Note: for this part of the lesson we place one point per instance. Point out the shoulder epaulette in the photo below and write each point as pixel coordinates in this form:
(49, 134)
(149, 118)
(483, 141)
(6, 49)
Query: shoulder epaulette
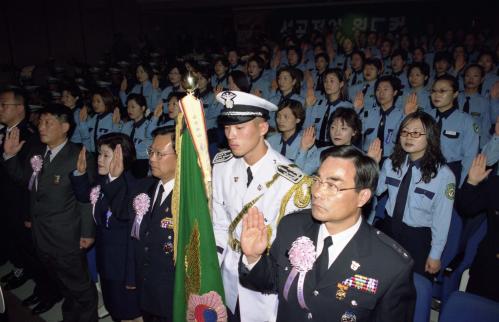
(394, 245)
(223, 156)
(290, 172)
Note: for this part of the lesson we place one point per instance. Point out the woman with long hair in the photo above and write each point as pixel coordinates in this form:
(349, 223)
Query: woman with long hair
(421, 190)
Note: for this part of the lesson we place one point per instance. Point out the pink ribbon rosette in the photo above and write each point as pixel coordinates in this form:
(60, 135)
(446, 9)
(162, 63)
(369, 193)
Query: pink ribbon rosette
(141, 206)
(36, 164)
(94, 197)
(302, 258)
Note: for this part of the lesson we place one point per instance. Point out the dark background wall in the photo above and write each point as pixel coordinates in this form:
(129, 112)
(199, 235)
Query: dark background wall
(81, 30)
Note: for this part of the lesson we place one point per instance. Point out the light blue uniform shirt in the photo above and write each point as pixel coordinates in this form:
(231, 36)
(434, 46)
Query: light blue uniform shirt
(151, 94)
(491, 150)
(88, 128)
(494, 110)
(310, 160)
(261, 83)
(371, 118)
(211, 109)
(459, 139)
(315, 114)
(480, 111)
(428, 204)
(489, 80)
(76, 137)
(423, 98)
(292, 149)
(369, 96)
(215, 81)
(142, 136)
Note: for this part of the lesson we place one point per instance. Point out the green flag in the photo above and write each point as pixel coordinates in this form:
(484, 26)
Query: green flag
(198, 291)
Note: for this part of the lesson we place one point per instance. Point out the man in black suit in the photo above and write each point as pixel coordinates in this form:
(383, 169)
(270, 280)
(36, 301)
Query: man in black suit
(62, 227)
(360, 274)
(153, 231)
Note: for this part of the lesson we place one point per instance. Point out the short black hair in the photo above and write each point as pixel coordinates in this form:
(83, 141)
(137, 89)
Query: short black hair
(166, 130)
(62, 113)
(241, 80)
(376, 62)
(366, 169)
(20, 96)
(127, 146)
(400, 52)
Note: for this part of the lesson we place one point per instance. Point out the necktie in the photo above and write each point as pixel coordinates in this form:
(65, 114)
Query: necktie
(439, 120)
(250, 176)
(320, 83)
(132, 134)
(323, 259)
(142, 90)
(364, 90)
(354, 78)
(381, 129)
(159, 197)
(398, 210)
(96, 130)
(466, 107)
(324, 126)
(46, 158)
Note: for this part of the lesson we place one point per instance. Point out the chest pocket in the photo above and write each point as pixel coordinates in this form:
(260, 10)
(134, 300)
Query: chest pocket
(392, 181)
(423, 199)
(451, 134)
(368, 131)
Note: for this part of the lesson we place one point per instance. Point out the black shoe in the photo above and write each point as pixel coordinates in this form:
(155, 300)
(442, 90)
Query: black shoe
(31, 300)
(7, 277)
(15, 282)
(43, 307)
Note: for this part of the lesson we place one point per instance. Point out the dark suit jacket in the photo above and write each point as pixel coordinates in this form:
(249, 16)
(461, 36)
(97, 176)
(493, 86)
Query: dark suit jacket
(378, 257)
(154, 267)
(113, 243)
(14, 196)
(58, 219)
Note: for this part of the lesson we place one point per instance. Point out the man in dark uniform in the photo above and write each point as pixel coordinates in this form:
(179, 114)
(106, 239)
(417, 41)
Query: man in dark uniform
(479, 194)
(153, 229)
(62, 227)
(14, 199)
(360, 274)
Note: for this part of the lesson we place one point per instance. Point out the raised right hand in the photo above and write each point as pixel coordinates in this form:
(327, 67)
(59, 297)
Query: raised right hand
(308, 139)
(478, 171)
(83, 113)
(358, 102)
(81, 164)
(116, 167)
(12, 145)
(254, 235)
(374, 151)
(116, 115)
(124, 84)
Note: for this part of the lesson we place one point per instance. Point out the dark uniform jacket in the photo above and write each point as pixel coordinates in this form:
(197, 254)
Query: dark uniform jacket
(369, 255)
(472, 201)
(154, 253)
(58, 219)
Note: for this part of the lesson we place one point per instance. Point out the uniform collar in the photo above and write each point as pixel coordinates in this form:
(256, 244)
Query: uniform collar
(447, 113)
(387, 112)
(139, 123)
(291, 139)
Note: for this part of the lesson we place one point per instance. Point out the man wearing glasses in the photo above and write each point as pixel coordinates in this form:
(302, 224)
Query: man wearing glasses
(149, 206)
(326, 263)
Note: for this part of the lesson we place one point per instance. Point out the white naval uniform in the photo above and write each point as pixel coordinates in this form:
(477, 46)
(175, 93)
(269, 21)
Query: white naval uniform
(230, 195)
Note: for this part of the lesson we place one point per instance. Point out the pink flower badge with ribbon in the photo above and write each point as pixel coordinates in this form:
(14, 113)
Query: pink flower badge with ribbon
(94, 197)
(141, 205)
(302, 257)
(36, 164)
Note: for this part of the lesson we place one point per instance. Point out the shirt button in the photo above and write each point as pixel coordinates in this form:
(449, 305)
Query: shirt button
(309, 316)
(147, 233)
(316, 293)
(146, 249)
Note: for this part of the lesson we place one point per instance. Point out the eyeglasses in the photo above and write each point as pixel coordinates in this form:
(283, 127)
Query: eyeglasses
(158, 154)
(441, 91)
(413, 135)
(331, 188)
(2, 104)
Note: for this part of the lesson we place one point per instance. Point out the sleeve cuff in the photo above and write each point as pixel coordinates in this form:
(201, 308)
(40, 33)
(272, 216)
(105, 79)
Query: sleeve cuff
(249, 266)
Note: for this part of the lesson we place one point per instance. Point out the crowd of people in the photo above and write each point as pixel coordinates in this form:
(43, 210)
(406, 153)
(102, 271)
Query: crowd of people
(325, 122)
